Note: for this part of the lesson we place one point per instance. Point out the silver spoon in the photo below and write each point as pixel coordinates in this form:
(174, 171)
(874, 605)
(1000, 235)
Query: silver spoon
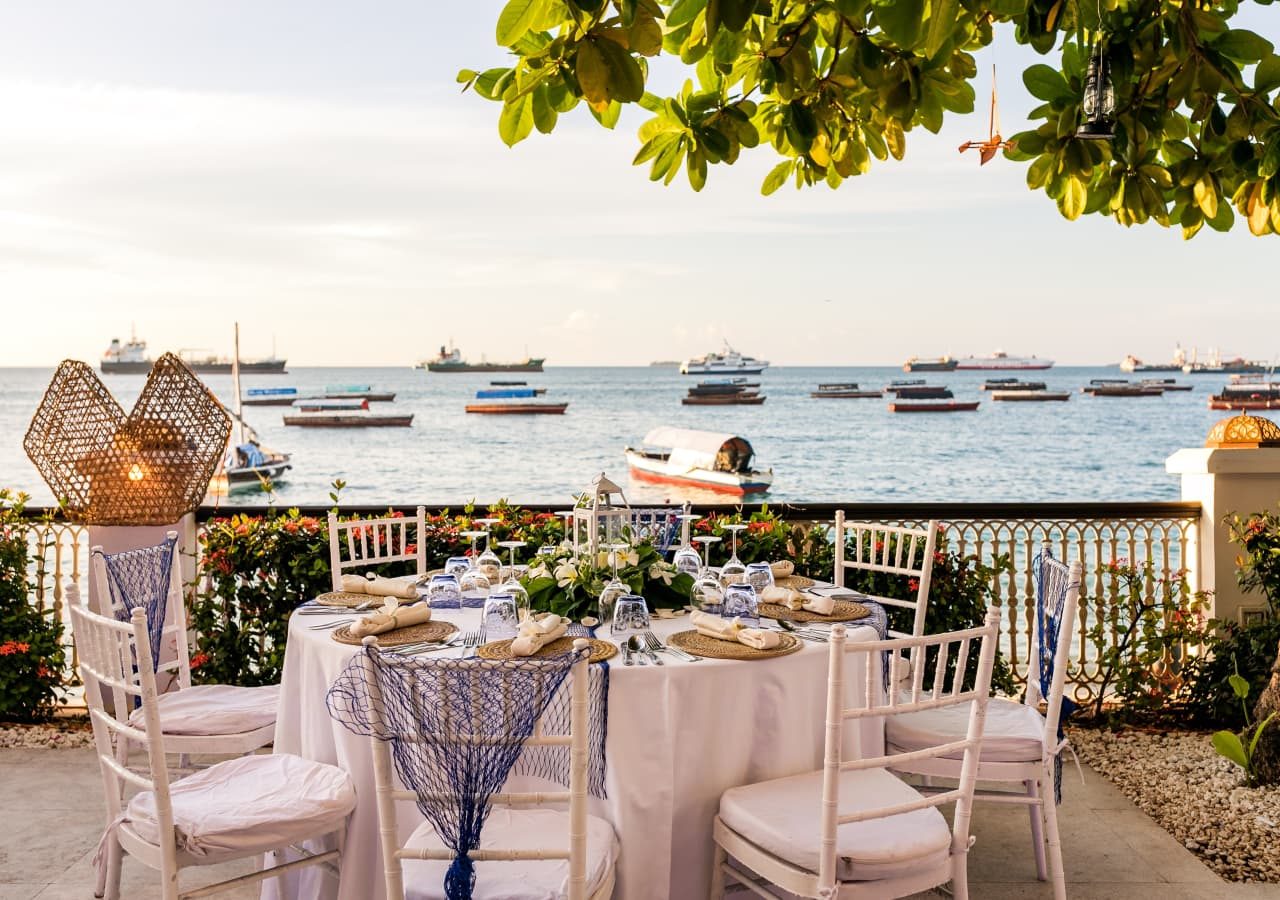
(633, 648)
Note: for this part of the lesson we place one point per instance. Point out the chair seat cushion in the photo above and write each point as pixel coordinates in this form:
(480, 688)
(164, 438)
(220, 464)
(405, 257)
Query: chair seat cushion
(249, 805)
(784, 818)
(213, 709)
(516, 829)
(1014, 732)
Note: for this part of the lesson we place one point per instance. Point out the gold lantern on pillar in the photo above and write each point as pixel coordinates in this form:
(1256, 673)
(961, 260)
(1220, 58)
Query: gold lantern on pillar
(600, 517)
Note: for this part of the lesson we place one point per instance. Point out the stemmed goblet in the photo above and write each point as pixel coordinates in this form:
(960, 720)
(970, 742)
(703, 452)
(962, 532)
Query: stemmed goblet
(512, 585)
(707, 594)
(733, 571)
(614, 589)
(686, 557)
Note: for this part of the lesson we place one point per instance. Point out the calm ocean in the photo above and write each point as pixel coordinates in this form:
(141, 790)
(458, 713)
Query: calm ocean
(1086, 449)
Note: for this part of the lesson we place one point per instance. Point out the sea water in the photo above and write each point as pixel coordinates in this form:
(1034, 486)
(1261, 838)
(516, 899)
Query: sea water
(1085, 449)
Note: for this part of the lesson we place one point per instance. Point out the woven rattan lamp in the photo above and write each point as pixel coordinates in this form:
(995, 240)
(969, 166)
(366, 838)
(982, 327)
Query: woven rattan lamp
(149, 467)
(1243, 432)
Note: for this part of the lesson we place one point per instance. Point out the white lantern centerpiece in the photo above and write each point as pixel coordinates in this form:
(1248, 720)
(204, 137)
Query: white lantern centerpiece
(600, 517)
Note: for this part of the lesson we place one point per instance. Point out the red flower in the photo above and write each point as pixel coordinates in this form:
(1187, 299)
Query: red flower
(913, 584)
(879, 546)
(9, 648)
(410, 548)
(199, 660)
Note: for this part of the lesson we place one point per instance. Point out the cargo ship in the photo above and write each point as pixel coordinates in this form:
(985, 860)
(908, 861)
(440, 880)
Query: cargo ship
(130, 358)
(937, 364)
(1216, 365)
(450, 360)
(1132, 363)
(1004, 362)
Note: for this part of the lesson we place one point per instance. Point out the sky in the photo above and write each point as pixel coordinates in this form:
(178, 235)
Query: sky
(311, 171)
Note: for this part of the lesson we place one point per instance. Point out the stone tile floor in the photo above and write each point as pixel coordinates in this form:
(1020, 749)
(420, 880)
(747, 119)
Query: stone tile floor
(53, 818)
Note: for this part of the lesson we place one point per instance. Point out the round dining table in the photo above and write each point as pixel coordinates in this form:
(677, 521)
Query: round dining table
(678, 736)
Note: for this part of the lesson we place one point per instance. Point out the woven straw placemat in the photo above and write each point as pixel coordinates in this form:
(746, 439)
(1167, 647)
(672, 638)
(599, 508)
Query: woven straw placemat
(795, 582)
(347, 599)
(600, 650)
(843, 611)
(714, 648)
(411, 634)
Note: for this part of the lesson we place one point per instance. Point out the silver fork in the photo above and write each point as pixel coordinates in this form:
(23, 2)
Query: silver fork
(654, 644)
(325, 626)
(468, 641)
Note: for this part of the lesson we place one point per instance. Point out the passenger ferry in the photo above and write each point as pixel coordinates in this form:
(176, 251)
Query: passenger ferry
(1004, 362)
(729, 362)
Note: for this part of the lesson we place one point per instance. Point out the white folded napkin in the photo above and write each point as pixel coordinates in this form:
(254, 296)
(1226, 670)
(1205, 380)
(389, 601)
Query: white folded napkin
(538, 631)
(783, 569)
(405, 587)
(390, 617)
(716, 627)
(795, 600)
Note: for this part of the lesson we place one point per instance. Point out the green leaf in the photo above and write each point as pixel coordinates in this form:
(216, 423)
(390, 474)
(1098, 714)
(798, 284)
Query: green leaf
(608, 117)
(1228, 746)
(592, 71)
(625, 78)
(1046, 83)
(942, 22)
(516, 120)
(1257, 733)
(733, 15)
(776, 178)
(683, 12)
(466, 76)
(515, 19)
(901, 21)
(1270, 163)
(1267, 76)
(544, 115)
(1239, 685)
(1243, 46)
(1075, 194)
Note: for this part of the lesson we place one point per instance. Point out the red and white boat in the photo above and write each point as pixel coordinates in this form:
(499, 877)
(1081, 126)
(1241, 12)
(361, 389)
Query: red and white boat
(1003, 362)
(704, 459)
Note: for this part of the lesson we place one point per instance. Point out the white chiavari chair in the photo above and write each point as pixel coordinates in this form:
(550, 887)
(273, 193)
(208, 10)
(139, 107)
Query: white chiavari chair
(854, 829)
(361, 543)
(218, 719)
(518, 856)
(1022, 746)
(246, 807)
(891, 550)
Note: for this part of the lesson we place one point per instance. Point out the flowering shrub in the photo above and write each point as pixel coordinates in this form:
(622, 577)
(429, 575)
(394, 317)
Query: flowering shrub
(767, 538)
(1142, 642)
(571, 587)
(1258, 566)
(31, 653)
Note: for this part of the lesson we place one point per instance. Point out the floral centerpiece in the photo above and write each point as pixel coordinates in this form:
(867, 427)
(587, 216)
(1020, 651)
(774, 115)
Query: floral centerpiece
(570, 585)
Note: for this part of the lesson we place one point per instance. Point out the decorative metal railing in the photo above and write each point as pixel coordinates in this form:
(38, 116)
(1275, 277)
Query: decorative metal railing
(1166, 534)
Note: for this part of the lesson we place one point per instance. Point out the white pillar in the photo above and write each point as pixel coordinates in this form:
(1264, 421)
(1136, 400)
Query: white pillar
(1225, 481)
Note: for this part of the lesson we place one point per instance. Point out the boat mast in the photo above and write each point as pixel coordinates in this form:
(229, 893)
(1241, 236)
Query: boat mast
(235, 381)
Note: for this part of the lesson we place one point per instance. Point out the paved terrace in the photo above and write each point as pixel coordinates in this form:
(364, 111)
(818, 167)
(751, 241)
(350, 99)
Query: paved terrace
(53, 806)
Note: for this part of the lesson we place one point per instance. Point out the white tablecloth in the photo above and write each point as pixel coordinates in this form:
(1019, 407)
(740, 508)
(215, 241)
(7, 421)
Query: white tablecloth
(679, 735)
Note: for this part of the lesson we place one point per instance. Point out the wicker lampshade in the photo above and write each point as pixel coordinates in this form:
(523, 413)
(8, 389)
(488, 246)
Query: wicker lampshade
(1244, 432)
(149, 467)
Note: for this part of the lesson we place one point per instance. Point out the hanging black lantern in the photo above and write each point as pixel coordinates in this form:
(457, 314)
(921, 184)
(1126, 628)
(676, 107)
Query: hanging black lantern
(1098, 106)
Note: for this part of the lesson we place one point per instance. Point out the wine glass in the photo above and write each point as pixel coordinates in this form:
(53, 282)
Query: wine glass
(631, 617)
(686, 557)
(708, 594)
(760, 576)
(512, 585)
(489, 562)
(615, 589)
(567, 515)
(444, 592)
(733, 571)
(741, 602)
(501, 617)
(474, 583)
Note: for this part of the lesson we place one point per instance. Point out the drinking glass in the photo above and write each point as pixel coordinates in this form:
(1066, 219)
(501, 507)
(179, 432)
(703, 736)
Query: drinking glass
(741, 602)
(488, 561)
(686, 557)
(760, 576)
(733, 571)
(631, 616)
(457, 565)
(444, 592)
(501, 617)
(512, 585)
(615, 589)
(708, 594)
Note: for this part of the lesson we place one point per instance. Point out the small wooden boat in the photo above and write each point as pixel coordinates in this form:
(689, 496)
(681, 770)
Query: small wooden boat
(922, 392)
(716, 462)
(1247, 393)
(352, 413)
(356, 391)
(842, 391)
(517, 409)
(905, 382)
(1167, 384)
(1011, 384)
(283, 396)
(1123, 390)
(933, 406)
(508, 383)
(1030, 396)
(247, 462)
(741, 399)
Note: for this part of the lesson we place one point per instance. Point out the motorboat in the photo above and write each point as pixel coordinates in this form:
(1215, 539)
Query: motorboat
(1035, 396)
(1012, 384)
(929, 406)
(727, 362)
(1168, 384)
(517, 401)
(1247, 392)
(848, 390)
(1003, 361)
(362, 391)
(920, 391)
(705, 459)
(247, 461)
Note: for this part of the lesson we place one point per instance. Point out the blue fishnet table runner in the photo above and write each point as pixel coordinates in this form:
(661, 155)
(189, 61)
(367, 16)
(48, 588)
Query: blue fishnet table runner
(1052, 577)
(140, 578)
(421, 703)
